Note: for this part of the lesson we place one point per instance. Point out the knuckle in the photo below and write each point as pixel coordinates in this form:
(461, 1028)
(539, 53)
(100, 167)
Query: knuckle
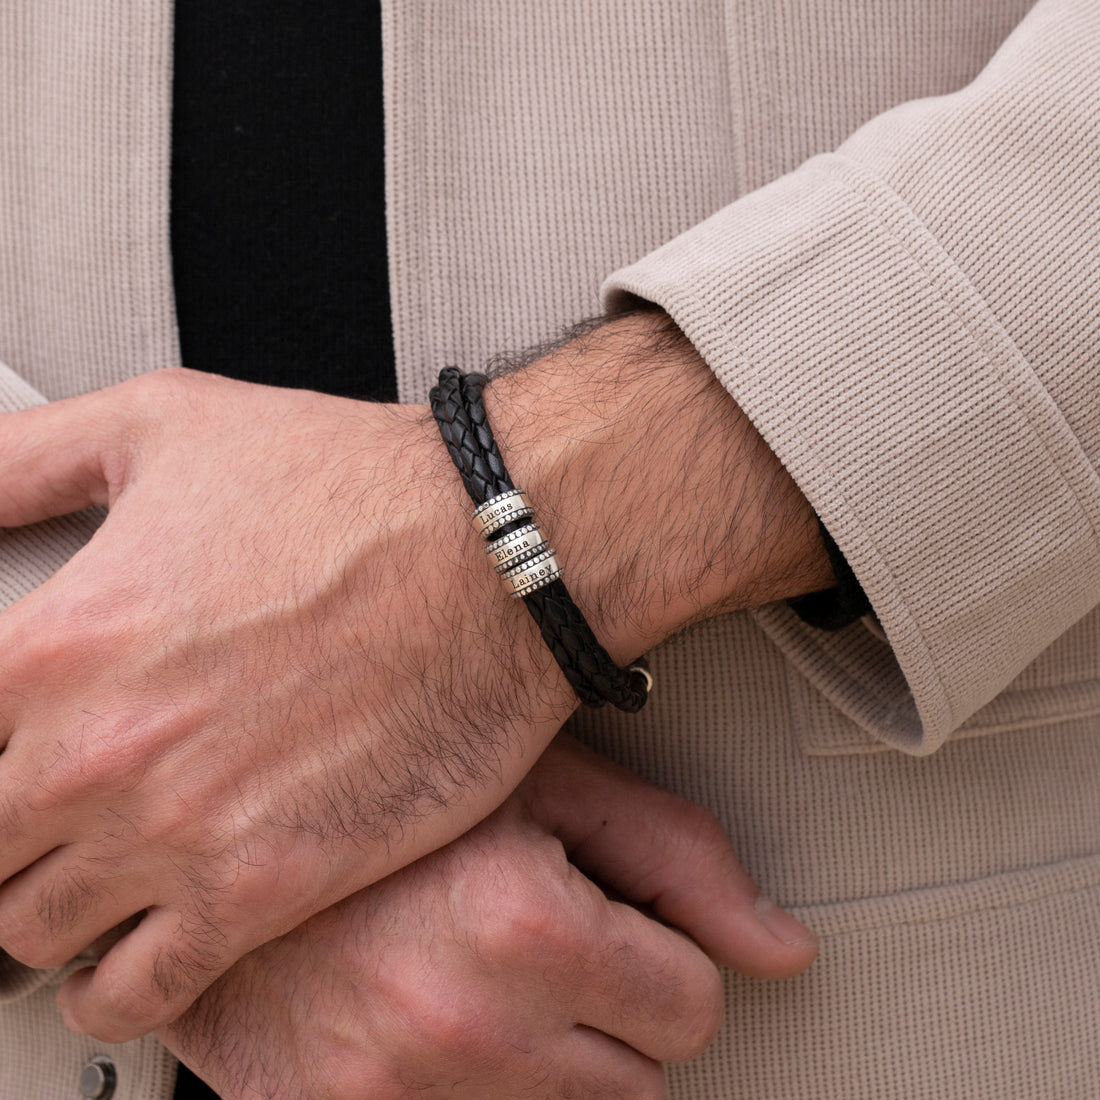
(12, 814)
(158, 396)
(531, 922)
(49, 786)
(691, 842)
(439, 1029)
(52, 956)
(243, 876)
(52, 639)
(26, 941)
(702, 831)
(161, 385)
(342, 1059)
(182, 972)
(127, 1007)
(114, 756)
(222, 909)
(452, 1031)
(64, 903)
(95, 769)
(49, 792)
(124, 1009)
(699, 1016)
(517, 921)
(96, 762)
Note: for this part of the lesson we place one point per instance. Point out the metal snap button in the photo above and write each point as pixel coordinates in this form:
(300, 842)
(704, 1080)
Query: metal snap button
(98, 1078)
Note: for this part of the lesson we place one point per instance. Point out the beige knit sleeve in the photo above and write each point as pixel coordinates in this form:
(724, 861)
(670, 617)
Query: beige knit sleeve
(913, 323)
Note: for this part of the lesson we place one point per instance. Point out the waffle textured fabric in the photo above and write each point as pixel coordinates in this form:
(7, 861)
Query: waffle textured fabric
(876, 221)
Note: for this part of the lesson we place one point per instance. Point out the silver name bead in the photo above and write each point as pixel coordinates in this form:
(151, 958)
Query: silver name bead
(499, 511)
(516, 547)
(529, 576)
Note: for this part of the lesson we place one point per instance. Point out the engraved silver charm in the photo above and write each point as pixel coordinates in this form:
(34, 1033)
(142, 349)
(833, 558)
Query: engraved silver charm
(499, 511)
(530, 576)
(518, 546)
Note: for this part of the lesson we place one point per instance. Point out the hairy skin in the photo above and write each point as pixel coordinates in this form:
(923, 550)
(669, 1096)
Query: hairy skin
(494, 968)
(281, 669)
(663, 501)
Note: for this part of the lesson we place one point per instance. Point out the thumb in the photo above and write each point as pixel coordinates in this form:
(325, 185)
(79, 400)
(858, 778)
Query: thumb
(659, 850)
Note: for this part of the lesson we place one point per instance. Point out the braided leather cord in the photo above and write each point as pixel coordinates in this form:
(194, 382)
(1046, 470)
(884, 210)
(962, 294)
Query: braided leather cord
(469, 441)
(460, 413)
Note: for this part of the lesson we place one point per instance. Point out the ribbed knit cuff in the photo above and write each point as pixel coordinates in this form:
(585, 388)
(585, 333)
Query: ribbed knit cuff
(921, 437)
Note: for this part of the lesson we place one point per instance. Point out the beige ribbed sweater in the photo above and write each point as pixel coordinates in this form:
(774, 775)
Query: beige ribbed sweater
(912, 319)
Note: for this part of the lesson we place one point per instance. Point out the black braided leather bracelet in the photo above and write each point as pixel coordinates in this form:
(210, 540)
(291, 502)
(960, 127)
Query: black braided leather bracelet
(516, 547)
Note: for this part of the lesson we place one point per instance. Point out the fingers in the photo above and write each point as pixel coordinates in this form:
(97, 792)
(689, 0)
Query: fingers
(51, 777)
(142, 984)
(33, 820)
(53, 910)
(659, 850)
(649, 986)
(542, 927)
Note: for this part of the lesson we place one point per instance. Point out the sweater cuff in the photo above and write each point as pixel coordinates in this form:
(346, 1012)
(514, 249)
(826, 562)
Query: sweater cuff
(917, 431)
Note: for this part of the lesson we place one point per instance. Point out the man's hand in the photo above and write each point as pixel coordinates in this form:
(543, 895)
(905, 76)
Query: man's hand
(282, 668)
(495, 969)
(256, 690)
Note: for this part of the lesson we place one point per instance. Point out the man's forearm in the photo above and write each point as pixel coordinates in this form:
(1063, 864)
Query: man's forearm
(661, 498)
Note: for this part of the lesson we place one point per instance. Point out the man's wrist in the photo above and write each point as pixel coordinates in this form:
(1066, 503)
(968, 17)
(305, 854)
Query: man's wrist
(662, 500)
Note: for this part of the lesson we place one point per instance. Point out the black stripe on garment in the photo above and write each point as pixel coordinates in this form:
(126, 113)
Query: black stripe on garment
(278, 201)
(189, 1087)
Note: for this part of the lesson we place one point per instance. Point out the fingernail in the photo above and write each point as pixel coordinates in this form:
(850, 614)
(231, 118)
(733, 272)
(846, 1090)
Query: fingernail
(780, 923)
